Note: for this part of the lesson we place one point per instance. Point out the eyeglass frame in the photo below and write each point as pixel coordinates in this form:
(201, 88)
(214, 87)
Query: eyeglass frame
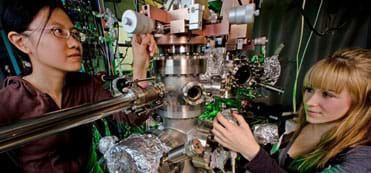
(76, 35)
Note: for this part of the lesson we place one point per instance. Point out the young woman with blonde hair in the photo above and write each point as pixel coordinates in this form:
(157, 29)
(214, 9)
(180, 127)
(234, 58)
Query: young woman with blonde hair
(333, 133)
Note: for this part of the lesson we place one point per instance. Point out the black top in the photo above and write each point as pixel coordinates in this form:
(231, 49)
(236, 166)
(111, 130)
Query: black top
(357, 160)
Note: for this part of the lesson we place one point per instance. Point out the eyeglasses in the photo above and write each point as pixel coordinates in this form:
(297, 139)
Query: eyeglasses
(67, 33)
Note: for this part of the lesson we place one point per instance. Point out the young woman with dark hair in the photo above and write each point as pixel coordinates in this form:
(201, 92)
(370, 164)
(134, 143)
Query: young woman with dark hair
(42, 31)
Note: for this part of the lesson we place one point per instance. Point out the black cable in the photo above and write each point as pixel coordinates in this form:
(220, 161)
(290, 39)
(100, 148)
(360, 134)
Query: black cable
(258, 4)
(124, 56)
(171, 3)
(310, 25)
(118, 30)
(114, 8)
(136, 5)
(239, 2)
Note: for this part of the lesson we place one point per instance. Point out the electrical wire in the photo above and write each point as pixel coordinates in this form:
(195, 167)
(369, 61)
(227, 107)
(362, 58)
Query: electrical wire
(101, 33)
(312, 27)
(239, 2)
(299, 64)
(117, 32)
(297, 59)
(171, 3)
(136, 5)
(124, 56)
(310, 35)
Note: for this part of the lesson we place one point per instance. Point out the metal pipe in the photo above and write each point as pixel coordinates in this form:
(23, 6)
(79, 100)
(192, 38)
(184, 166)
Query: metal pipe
(58, 121)
(272, 88)
(183, 152)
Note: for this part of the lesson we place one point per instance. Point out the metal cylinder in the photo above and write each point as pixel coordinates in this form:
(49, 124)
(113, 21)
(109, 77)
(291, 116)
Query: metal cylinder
(242, 14)
(184, 92)
(54, 122)
(136, 23)
(213, 87)
(177, 154)
(183, 152)
(180, 65)
(178, 105)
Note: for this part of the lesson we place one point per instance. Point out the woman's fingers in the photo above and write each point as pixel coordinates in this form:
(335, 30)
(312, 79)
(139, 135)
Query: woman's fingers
(146, 42)
(152, 45)
(240, 120)
(223, 142)
(136, 40)
(223, 121)
(217, 133)
(219, 129)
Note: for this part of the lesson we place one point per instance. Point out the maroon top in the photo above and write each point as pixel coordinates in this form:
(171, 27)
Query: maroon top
(67, 151)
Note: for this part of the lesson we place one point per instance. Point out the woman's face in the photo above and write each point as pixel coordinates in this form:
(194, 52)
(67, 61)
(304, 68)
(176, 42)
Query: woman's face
(53, 51)
(325, 106)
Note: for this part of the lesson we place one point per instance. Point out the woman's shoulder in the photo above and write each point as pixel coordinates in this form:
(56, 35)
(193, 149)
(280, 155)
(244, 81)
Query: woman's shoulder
(359, 152)
(15, 85)
(16, 96)
(356, 159)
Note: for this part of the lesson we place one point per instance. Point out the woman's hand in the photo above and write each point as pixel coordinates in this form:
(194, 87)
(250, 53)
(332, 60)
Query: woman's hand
(144, 46)
(236, 137)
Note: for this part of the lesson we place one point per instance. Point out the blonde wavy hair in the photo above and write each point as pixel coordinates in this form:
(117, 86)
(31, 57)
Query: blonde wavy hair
(346, 69)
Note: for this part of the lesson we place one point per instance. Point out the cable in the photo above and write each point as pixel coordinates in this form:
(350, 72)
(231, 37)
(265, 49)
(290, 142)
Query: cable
(118, 33)
(239, 2)
(124, 56)
(136, 5)
(302, 57)
(319, 33)
(297, 60)
(310, 35)
(171, 3)
(114, 8)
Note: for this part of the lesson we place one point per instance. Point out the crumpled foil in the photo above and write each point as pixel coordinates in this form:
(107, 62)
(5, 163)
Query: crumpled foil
(218, 158)
(228, 114)
(272, 69)
(106, 143)
(214, 63)
(266, 133)
(135, 154)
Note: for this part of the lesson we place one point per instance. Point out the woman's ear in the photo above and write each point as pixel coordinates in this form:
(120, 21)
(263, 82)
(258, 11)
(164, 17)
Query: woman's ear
(19, 41)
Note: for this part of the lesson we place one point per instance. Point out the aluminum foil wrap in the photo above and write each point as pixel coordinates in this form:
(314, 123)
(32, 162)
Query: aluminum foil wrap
(266, 133)
(272, 69)
(136, 154)
(214, 63)
(106, 143)
(228, 114)
(218, 158)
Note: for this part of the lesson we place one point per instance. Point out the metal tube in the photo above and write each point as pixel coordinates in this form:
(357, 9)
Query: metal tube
(272, 88)
(177, 154)
(183, 152)
(58, 121)
(26, 126)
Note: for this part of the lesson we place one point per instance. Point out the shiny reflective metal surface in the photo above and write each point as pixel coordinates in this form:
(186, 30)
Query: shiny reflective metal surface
(180, 65)
(54, 122)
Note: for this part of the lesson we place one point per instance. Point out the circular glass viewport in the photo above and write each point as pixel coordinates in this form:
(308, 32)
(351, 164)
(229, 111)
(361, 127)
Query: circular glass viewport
(194, 93)
(243, 74)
